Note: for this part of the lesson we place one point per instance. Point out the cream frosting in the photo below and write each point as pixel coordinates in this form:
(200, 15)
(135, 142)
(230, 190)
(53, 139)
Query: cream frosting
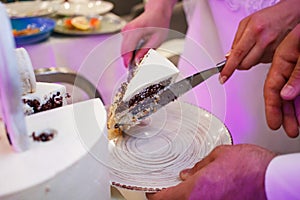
(153, 69)
(70, 166)
(28, 81)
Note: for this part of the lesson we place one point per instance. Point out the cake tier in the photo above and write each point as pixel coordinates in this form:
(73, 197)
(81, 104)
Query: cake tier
(47, 96)
(69, 166)
(25, 69)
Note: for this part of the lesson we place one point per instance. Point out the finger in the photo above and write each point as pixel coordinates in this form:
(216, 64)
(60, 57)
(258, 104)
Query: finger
(290, 123)
(129, 42)
(273, 102)
(127, 58)
(297, 108)
(178, 192)
(276, 79)
(253, 57)
(241, 28)
(140, 54)
(292, 87)
(152, 42)
(186, 173)
(237, 54)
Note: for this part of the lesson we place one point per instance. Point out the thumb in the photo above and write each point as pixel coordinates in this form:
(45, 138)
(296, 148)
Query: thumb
(186, 173)
(292, 88)
(140, 54)
(127, 58)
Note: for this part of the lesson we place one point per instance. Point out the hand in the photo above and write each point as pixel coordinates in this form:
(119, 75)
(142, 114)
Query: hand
(228, 172)
(259, 34)
(151, 27)
(282, 86)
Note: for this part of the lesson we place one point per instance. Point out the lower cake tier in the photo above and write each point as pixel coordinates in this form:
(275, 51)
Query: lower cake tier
(68, 165)
(47, 96)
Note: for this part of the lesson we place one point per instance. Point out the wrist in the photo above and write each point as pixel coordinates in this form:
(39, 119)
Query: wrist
(294, 10)
(161, 7)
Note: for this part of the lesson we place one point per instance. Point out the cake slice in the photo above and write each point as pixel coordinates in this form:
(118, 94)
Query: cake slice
(151, 75)
(37, 96)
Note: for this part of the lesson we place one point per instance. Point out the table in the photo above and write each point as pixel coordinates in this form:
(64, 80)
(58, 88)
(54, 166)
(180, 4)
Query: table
(96, 57)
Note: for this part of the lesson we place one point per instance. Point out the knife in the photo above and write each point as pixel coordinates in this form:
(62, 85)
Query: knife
(170, 93)
(179, 88)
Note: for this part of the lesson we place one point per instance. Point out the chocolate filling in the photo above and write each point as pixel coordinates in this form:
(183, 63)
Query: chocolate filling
(148, 92)
(43, 137)
(54, 102)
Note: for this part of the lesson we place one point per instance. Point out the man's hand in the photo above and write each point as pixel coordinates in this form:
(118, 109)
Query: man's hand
(282, 86)
(228, 172)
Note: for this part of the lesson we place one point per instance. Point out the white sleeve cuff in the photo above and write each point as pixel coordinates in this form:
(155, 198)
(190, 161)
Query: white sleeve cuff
(282, 180)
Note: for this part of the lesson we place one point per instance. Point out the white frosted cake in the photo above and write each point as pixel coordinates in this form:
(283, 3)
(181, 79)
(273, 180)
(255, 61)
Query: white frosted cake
(55, 154)
(152, 74)
(65, 159)
(28, 82)
(47, 96)
(37, 96)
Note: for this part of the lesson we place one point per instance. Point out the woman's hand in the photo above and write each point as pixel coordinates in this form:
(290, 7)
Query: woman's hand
(228, 172)
(282, 86)
(259, 34)
(151, 28)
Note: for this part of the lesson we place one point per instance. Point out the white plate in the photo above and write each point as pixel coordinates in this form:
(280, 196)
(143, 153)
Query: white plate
(110, 23)
(89, 8)
(150, 157)
(30, 8)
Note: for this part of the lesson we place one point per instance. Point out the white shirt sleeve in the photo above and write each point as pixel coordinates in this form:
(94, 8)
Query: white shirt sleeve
(282, 179)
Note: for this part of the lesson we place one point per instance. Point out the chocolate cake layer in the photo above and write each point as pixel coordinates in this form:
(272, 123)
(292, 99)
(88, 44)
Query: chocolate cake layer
(54, 102)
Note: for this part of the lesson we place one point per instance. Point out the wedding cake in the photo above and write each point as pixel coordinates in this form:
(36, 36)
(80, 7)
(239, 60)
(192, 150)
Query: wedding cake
(54, 154)
(65, 159)
(37, 96)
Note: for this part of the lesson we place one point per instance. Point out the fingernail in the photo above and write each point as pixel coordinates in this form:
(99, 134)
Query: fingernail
(287, 91)
(184, 174)
(227, 54)
(222, 79)
(137, 61)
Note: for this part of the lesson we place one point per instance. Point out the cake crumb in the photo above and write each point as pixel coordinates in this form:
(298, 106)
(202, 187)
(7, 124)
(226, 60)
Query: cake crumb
(44, 136)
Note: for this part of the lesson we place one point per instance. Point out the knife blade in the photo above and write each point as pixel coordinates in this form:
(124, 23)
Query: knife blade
(181, 87)
(172, 92)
